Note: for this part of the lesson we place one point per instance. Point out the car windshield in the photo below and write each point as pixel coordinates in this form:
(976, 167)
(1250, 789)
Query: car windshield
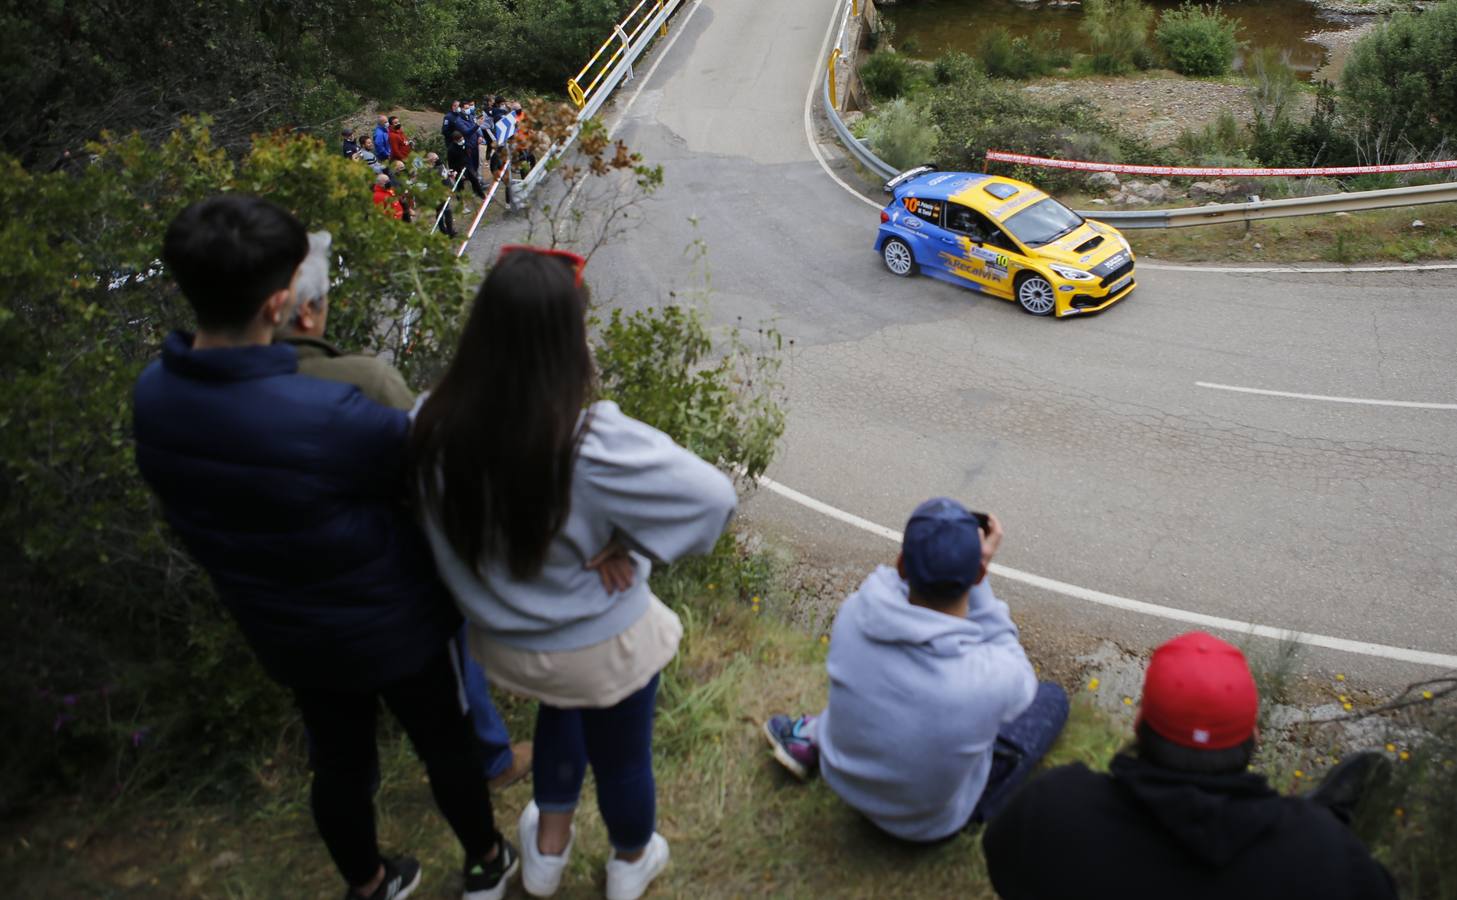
(1043, 222)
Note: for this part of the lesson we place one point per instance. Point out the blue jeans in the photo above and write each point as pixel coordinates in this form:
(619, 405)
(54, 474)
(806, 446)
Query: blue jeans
(618, 742)
(491, 736)
(1021, 744)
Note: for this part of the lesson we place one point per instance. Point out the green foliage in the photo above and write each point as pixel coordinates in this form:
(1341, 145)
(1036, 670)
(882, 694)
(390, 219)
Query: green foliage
(127, 623)
(980, 113)
(661, 366)
(953, 66)
(1117, 31)
(1399, 86)
(1197, 40)
(1005, 56)
(902, 134)
(536, 44)
(1221, 138)
(887, 75)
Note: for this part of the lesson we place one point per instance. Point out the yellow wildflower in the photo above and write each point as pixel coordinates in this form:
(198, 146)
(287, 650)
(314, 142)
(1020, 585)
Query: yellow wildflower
(1390, 748)
(1127, 701)
(1299, 773)
(1426, 695)
(1346, 707)
(1404, 756)
(1340, 677)
(1093, 684)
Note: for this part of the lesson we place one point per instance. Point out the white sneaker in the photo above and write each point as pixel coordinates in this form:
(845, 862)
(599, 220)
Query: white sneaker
(541, 875)
(628, 880)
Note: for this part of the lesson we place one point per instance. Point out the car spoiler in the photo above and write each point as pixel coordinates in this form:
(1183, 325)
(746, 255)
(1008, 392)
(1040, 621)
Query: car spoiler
(907, 175)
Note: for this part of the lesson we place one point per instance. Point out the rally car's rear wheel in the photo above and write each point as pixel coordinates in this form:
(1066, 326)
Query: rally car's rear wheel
(1034, 294)
(898, 258)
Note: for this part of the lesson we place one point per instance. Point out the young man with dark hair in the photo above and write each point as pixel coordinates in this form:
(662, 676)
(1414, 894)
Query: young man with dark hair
(935, 715)
(1181, 815)
(287, 490)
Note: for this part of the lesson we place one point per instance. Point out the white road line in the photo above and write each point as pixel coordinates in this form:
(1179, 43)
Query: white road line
(809, 134)
(1364, 648)
(1297, 270)
(1411, 404)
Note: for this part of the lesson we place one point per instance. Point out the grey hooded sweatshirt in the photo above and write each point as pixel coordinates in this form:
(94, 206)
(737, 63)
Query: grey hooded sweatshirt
(630, 481)
(916, 700)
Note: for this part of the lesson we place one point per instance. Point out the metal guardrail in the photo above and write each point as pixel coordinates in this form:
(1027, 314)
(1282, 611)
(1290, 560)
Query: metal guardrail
(1257, 210)
(632, 36)
(1216, 214)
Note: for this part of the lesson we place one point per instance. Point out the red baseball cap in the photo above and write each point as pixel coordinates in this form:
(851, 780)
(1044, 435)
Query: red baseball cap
(1198, 692)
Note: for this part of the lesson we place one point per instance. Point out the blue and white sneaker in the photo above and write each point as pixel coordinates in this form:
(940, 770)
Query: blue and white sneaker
(794, 748)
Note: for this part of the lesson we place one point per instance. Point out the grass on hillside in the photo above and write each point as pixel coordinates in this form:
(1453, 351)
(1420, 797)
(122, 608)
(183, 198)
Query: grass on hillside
(738, 824)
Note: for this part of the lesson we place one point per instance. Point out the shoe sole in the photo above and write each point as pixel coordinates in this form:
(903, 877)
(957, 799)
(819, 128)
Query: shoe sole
(795, 767)
(409, 889)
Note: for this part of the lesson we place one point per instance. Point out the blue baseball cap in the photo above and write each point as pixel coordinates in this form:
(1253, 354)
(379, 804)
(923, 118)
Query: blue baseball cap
(942, 549)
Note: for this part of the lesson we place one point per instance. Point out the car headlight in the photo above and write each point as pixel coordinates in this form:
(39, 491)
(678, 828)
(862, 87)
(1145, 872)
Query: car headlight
(1124, 241)
(1070, 273)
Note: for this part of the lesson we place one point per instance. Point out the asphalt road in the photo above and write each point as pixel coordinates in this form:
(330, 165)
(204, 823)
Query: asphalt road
(1111, 468)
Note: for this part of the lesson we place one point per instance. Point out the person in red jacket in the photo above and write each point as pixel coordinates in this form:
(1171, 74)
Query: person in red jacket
(400, 146)
(384, 197)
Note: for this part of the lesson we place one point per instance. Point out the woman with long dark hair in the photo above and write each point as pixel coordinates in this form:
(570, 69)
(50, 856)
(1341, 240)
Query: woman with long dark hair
(545, 511)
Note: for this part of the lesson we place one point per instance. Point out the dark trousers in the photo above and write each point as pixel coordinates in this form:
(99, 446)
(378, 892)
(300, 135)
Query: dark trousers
(1021, 744)
(341, 725)
(618, 742)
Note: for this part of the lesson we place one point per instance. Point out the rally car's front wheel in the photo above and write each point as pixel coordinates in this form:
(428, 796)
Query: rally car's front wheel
(1034, 294)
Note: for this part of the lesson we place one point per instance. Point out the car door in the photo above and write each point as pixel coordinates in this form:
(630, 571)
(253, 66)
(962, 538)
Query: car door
(924, 222)
(984, 254)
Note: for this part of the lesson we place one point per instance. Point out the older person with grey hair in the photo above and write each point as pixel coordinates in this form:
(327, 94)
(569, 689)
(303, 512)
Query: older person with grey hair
(382, 383)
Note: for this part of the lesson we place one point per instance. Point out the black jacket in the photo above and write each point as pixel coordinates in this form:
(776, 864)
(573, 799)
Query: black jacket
(289, 491)
(457, 156)
(1143, 831)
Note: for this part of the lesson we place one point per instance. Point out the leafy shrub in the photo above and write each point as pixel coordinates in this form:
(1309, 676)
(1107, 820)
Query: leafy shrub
(1004, 56)
(981, 113)
(1399, 86)
(902, 134)
(887, 75)
(953, 66)
(1197, 40)
(1117, 31)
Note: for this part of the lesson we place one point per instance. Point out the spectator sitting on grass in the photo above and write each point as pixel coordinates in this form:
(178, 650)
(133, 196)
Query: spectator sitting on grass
(935, 715)
(1181, 815)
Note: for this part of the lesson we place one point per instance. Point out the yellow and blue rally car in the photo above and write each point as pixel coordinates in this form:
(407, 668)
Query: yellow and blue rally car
(1005, 238)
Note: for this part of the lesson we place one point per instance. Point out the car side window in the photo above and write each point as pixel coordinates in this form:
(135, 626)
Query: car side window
(929, 210)
(967, 221)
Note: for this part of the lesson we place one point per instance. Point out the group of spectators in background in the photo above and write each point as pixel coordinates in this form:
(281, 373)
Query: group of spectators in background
(491, 131)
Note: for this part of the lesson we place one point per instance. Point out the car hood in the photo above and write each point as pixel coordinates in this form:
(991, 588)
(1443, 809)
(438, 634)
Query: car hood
(1082, 247)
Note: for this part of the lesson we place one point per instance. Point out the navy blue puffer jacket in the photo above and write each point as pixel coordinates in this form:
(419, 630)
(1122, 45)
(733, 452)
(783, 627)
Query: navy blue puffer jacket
(288, 491)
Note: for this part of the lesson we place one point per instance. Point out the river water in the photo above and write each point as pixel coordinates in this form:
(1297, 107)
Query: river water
(936, 26)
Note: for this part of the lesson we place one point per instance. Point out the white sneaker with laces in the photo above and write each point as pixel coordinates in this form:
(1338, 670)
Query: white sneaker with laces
(541, 875)
(628, 880)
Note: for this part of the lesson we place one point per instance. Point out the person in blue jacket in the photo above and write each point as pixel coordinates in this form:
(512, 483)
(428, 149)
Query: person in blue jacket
(288, 491)
(382, 138)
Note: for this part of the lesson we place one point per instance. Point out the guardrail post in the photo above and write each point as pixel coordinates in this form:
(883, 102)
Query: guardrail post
(834, 57)
(854, 7)
(574, 91)
(626, 49)
(663, 30)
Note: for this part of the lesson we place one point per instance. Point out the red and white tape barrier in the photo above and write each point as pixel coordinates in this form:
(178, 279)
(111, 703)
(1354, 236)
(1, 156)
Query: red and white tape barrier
(1208, 171)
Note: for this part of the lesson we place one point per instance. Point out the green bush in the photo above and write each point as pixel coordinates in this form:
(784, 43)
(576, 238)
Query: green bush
(1399, 86)
(1117, 31)
(902, 134)
(953, 66)
(981, 113)
(1197, 40)
(1004, 56)
(887, 75)
(1221, 138)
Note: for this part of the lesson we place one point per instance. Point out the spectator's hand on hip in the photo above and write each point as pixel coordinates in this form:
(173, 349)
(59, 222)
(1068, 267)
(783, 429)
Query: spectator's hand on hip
(614, 566)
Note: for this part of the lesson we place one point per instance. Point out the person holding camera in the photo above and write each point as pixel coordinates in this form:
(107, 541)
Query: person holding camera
(935, 715)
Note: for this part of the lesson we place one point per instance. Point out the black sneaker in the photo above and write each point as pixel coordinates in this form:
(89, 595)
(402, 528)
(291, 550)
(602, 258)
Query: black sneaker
(401, 877)
(488, 880)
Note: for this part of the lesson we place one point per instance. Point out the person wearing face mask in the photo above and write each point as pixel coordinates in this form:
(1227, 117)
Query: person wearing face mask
(457, 157)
